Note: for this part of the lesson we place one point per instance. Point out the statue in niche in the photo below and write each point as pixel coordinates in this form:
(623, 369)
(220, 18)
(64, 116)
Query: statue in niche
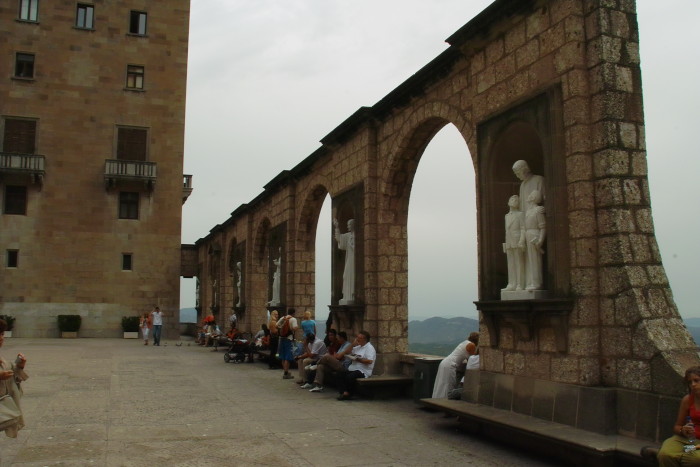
(276, 280)
(530, 183)
(535, 231)
(514, 245)
(346, 242)
(239, 280)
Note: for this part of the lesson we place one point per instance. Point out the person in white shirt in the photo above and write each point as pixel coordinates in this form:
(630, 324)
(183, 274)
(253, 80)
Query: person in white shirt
(363, 357)
(157, 318)
(315, 350)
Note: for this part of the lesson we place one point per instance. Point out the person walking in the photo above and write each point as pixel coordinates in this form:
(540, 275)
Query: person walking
(145, 326)
(11, 375)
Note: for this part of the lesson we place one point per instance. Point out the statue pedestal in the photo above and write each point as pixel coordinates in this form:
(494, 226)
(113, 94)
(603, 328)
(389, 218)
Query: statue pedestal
(348, 318)
(526, 317)
(524, 294)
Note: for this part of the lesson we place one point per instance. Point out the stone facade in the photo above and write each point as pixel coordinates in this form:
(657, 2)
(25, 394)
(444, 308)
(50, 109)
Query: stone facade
(71, 239)
(556, 83)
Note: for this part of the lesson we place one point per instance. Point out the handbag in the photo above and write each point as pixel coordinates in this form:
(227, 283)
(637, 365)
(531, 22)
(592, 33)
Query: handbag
(9, 412)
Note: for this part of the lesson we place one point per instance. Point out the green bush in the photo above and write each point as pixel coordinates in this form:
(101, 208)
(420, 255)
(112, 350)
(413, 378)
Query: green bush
(10, 320)
(130, 323)
(69, 323)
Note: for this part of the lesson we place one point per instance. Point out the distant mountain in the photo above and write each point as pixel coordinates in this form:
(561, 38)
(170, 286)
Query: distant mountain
(188, 315)
(441, 330)
(695, 322)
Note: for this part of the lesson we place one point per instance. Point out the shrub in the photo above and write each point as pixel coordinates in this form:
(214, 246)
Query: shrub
(130, 323)
(69, 323)
(10, 320)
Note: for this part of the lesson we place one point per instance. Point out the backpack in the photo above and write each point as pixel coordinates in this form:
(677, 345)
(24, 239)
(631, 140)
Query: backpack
(285, 328)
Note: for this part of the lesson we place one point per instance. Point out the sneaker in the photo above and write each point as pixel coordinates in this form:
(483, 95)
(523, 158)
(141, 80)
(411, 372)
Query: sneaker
(312, 367)
(299, 382)
(307, 367)
(287, 376)
(307, 386)
(316, 389)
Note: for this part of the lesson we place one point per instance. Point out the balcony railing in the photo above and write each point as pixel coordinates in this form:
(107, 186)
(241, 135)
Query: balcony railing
(29, 164)
(186, 188)
(116, 170)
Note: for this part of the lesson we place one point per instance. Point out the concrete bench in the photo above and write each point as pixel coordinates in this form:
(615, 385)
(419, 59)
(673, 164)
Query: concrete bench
(563, 442)
(385, 386)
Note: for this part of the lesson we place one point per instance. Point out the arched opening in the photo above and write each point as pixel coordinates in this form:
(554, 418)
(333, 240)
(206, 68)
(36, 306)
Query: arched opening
(442, 246)
(322, 258)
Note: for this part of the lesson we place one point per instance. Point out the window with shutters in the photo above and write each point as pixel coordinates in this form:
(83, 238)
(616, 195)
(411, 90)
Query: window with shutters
(85, 16)
(15, 200)
(29, 10)
(19, 136)
(132, 144)
(137, 23)
(24, 65)
(128, 205)
(134, 76)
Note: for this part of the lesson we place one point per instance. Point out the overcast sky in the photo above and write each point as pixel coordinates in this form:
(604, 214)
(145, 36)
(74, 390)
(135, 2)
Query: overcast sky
(269, 78)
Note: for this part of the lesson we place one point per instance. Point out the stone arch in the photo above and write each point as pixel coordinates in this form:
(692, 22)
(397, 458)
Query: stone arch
(308, 217)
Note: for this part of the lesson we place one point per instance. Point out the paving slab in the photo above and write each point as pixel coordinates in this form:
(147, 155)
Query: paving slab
(116, 402)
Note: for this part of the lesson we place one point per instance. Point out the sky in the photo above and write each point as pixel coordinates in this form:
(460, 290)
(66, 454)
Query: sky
(268, 79)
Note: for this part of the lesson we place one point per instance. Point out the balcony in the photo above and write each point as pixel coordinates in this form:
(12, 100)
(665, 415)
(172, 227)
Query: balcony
(117, 171)
(186, 188)
(31, 165)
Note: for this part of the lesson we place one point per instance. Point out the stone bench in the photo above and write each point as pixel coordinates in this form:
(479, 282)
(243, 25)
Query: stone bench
(385, 386)
(555, 440)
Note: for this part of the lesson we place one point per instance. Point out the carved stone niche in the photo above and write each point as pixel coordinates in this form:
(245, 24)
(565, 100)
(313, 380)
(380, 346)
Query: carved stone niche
(526, 317)
(348, 318)
(240, 314)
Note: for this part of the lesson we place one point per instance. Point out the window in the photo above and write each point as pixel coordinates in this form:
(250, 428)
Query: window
(15, 200)
(127, 263)
(134, 77)
(85, 17)
(132, 144)
(29, 10)
(24, 65)
(128, 205)
(137, 23)
(19, 136)
(12, 258)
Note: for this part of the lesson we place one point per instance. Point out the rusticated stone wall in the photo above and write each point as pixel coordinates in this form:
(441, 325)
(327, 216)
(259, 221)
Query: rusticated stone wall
(554, 82)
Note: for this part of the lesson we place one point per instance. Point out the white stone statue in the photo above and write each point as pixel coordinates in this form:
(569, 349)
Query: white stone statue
(514, 245)
(530, 182)
(535, 231)
(239, 280)
(346, 242)
(276, 280)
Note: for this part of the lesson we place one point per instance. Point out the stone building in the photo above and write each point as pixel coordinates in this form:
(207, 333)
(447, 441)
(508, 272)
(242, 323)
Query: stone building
(556, 83)
(92, 110)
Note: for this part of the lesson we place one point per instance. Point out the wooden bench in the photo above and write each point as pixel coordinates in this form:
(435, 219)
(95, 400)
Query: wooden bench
(566, 443)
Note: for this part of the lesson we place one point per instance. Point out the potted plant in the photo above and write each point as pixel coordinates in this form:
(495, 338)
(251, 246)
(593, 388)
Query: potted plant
(69, 325)
(10, 320)
(130, 326)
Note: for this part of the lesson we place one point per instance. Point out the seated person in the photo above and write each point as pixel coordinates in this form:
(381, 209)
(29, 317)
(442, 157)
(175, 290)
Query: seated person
(331, 341)
(681, 448)
(339, 361)
(315, 349)
(212, 335)
(363, 357)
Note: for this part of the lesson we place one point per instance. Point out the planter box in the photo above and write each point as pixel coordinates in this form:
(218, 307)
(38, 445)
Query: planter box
(131, 335)
(8, 334)
(69, 335)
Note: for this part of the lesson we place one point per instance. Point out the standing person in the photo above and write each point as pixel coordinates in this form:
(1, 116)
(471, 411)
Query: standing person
(363, 357)
(274, 339)
(11, 375)
(157, 319)
(446, 378)
(308, 325)
(680, 449)
(287, 325)
(145, 326)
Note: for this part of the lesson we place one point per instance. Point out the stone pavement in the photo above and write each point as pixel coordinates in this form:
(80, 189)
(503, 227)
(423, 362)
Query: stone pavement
(115, 402)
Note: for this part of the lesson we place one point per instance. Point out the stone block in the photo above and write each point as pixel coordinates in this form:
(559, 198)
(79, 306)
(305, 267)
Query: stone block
(616, 341)
(644, 220)
(608, 192)
(544, 394)
(582, 224)
(575, 83)
(647, 408)
(527, 54)
(514, 38)
(584, 281)
(634, 374)
(626, 411)
(578, 137)
(579, 168)
(494, 51)
(503, 391)
(523, 391)
(657, 275)
(585, 312)
(589, 369)
(613, 280)
(583, 339)
(585, 253)
(566, 402)
(538, 365)
(565, 369)
(514, 363)
(487, 387)
(614, 250)
(615, 221)
(596, 410)
(537, 23)
(619, 24)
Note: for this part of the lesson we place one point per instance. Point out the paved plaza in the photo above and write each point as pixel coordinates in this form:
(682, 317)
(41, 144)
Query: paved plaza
(114, 402)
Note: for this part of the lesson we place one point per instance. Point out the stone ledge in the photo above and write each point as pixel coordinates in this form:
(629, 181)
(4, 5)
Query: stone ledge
(580, 447)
